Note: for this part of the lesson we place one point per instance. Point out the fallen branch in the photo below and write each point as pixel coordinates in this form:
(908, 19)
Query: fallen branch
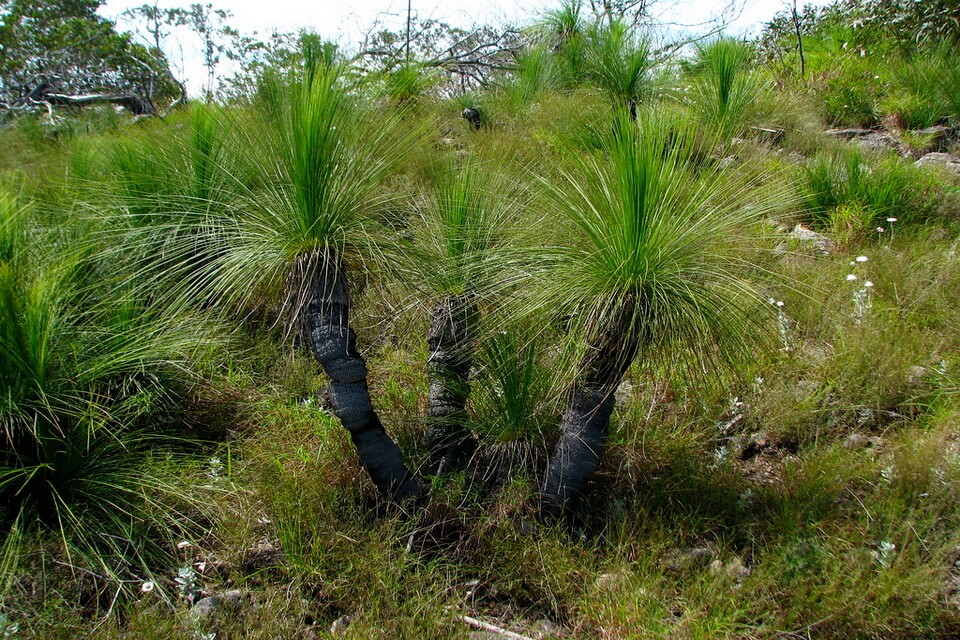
(492, 628)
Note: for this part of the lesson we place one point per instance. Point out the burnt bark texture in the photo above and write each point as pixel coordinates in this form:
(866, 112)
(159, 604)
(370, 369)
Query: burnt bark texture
(583, 430)
(334, 345)
(448, 373)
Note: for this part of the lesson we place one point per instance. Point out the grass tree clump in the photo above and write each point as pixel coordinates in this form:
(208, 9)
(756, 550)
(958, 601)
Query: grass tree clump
(621, 65)
(645, 267)
(724, 85)
(160, 196)
(459, 257)
(564, 32)
(408, 83)
(297, 237)
(535, 74)
(514, 407)
(86, 370)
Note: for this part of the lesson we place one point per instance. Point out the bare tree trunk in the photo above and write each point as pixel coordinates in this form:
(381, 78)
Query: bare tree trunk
(448, 372)
(334, 344)
(796, 27)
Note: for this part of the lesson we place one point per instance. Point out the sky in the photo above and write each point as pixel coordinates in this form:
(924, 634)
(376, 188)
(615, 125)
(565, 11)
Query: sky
(346, 21)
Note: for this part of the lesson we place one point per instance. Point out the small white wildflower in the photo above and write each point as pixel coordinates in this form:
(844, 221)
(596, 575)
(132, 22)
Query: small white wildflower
(868, 284)
(891, 220)
(147, 587)
(851, 277)
(862, 258)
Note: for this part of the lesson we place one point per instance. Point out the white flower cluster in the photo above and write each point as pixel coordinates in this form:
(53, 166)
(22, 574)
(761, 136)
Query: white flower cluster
(862, 303)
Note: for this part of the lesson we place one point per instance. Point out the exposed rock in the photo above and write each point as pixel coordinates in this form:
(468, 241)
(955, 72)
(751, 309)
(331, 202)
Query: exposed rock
(938, 137)
(945, 161)
(764, 469)
(878, 141)
(849, 134)
(609, 581)
(339, 626)
(917, 376)
(856, 441)
(259, 558)
(205, 607)
(680, 560)
(809, 388)
(769, 135)
(820, 242)
(752, 445)
(545, 628)
(734, 568)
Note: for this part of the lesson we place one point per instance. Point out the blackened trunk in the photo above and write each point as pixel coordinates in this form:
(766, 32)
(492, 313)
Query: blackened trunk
(334, 345)
(586, 420)
(577, 454)
(448, 373)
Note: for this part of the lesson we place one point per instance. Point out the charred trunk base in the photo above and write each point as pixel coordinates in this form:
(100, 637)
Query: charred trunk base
(577, 454)
(334, 345)
(450, 442)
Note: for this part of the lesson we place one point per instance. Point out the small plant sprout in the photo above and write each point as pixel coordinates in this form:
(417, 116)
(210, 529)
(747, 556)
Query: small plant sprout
(862, 302)
(187, 583)
(888, 474)
(8, 628)
(885, 553)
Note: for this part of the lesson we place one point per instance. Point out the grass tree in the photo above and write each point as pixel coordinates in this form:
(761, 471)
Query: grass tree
(725, 85)
(621, 64)
(298, 237)
(645, 265)
(86, 370)
(514, 405)
(458, 256)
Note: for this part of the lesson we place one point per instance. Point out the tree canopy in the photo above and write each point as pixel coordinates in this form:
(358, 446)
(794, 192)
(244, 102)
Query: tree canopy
(63, 52)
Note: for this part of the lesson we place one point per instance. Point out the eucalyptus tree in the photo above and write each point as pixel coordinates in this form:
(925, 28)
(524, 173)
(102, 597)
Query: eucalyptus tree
(645, 265)
(65, 53)
(306, 223)
(459, 258)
